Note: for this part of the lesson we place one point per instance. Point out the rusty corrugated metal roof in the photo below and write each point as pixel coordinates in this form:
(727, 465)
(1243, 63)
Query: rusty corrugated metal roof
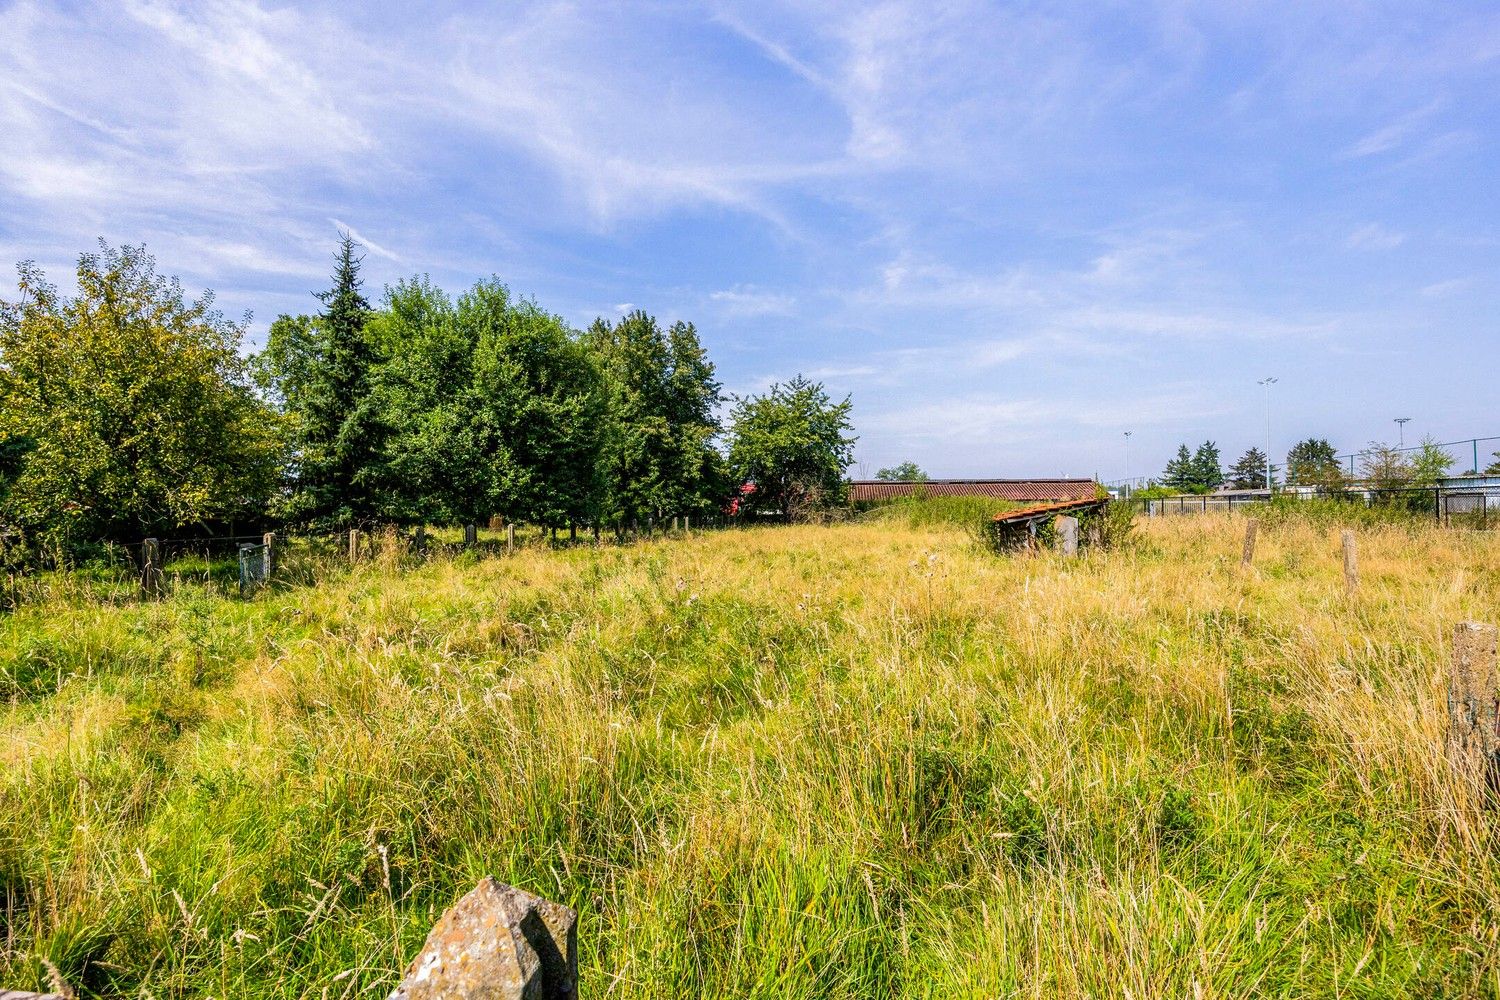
(1027, 513)
(865, 490)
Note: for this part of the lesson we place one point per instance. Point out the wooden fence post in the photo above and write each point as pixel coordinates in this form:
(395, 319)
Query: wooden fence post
(1474, 703)
(1248, 556)
(471, 535)
(353, 546)
(1067, 535)
(687, 524)
(1351, 564)
(510, 538)
(268, 557)
(152, 583)
(419, 539)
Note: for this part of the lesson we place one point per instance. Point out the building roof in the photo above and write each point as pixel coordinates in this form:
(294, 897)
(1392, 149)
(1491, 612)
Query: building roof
(866, 490)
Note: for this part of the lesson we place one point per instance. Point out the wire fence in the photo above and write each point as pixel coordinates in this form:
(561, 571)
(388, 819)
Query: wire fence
(1474, 507)
(238, 564)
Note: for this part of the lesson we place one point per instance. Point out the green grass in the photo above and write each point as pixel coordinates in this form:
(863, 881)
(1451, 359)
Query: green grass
(931, 512)
(866, 760)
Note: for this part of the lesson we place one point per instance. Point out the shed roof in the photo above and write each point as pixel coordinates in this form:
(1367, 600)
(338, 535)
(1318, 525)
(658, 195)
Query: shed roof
(866, 490)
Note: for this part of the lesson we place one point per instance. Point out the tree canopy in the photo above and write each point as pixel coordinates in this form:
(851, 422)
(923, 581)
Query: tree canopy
(1194, 472)
(127, 409)
(792, 444)
(1312, 461)
(663, 396)
(905, 472)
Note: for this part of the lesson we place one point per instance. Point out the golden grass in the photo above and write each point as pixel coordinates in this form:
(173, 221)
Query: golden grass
(853, 761)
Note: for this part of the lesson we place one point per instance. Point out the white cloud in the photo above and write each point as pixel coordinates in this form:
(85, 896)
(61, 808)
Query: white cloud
(1443, 289)
(365, 241)
(1374, 236)
(744, 301)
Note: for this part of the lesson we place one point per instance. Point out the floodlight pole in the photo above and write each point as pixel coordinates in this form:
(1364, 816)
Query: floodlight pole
(1268, 381)
(1401, 431)
(1127, 463)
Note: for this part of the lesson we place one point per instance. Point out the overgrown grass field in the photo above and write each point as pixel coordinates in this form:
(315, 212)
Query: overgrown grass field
(865, 760)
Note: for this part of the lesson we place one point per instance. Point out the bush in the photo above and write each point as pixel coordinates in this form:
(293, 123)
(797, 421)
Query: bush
(1396, 508)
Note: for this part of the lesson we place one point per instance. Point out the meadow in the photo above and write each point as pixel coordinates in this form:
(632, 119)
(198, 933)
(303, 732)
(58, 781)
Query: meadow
(870, 759)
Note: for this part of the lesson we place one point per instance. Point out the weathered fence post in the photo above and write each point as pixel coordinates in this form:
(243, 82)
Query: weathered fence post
(510, 538)
(1474, 703)
(471, 535)
(1067, 534)
(152, 584)
(499, 943)
(268, 558)
(687, 524)
(419, 539)
(1248, 556)
(353, 545)
(1351, 564)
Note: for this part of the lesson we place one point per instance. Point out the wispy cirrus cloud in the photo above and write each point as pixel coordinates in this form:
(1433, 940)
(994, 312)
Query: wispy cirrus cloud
(973, 215)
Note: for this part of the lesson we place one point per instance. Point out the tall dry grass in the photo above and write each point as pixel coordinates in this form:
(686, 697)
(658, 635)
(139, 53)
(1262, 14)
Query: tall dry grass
(865, 760)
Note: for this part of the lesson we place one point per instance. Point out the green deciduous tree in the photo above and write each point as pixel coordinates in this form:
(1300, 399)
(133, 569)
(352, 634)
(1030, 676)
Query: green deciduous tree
(793, 444)
(1430, 463)
(128, 409)
(428, 470)
(906, 472)
(1249, 473)
(1312, 461)
(663, 395)
(1383, 466)
(539, 412)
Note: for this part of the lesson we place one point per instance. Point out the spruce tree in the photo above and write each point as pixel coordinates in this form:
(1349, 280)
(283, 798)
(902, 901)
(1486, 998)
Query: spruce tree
(337, 431)
(1178, 474)
(1249, 473)
(1313, 460)
(1205, 472)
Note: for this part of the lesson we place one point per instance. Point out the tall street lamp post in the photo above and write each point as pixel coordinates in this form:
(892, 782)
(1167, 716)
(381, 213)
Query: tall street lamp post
(1268, 381)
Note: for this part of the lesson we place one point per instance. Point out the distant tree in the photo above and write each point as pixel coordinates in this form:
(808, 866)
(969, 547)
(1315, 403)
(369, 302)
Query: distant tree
(1313, 461)
(793, 445)
(1493, 469)
(1206, 472)
(1249, 473)
(1178, 475)
(1430, 463)
(906, 472)
(337, 439)
(1384, 467)
(127, 409)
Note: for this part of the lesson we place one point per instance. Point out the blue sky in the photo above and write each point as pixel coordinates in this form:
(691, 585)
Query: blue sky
(1010, 231)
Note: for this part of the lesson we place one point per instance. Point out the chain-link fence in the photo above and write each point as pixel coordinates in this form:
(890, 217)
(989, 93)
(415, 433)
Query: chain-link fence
(1456, 507)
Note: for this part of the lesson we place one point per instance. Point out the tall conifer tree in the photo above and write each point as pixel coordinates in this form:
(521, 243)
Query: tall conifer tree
(337, 430)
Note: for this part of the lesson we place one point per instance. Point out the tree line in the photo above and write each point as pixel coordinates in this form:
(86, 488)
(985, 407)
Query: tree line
(1310, 462)
(130, 409)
